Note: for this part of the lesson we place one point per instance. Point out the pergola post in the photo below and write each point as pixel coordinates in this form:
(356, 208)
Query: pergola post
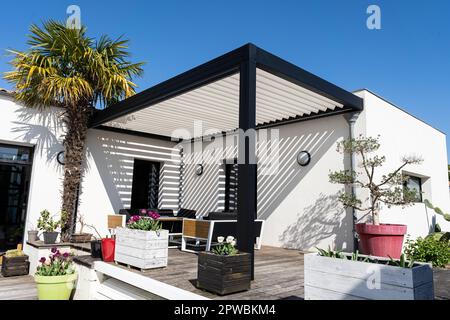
(247, 181)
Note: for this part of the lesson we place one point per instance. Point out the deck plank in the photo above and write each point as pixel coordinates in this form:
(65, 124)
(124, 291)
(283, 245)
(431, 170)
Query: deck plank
(278, 274)
(18, 288)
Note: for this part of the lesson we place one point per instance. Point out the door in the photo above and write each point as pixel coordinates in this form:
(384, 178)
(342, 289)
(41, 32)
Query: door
(145, 187)
(15, 174)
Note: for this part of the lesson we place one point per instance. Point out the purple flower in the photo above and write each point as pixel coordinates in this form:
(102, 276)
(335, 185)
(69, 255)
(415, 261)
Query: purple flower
(42, 260)
(153, 215)
(65, 255)
(134, 219)
(54, 249)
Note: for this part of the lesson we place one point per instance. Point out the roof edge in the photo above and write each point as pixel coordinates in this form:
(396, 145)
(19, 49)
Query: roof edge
(399, 108)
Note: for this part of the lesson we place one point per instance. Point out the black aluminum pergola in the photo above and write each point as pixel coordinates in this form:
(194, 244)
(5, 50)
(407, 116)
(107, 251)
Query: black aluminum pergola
(247, 62)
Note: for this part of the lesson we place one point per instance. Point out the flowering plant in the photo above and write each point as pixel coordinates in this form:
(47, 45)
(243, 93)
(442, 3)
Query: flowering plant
(226, 247)
(57, 264)
(146, 223)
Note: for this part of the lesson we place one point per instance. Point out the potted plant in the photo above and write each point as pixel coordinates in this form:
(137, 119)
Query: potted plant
(15, 263)
(333, 275)
(383, 240)
(142, 243)
(96, 243)
(33, 233)
(81, 237)
(55, 276)
(224, 270)
(49, 225)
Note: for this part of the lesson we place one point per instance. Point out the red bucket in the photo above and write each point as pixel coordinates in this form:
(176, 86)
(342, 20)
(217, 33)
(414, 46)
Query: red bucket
(108, 247)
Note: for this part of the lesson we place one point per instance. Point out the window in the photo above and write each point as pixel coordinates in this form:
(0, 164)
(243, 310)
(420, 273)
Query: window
(415, 183)
(231, 187)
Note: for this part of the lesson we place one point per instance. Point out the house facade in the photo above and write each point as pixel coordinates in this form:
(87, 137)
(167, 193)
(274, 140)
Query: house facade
(127, 169)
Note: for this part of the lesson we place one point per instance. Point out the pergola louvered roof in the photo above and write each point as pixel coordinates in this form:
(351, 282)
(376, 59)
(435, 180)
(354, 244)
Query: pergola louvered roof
(209, 96)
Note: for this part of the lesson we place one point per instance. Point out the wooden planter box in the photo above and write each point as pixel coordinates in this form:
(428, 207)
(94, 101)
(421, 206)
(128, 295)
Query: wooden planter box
(142, 249)
(15, 266)
(224, 274)
(338, 279)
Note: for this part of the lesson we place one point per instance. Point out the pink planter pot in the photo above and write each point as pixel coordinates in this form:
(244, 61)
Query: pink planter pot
(384, 240)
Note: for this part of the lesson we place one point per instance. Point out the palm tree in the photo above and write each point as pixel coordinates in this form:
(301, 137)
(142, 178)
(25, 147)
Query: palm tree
(65, 68)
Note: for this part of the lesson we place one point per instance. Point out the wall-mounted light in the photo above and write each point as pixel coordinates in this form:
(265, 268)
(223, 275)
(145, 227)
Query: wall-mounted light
(60, 158)
(303, 158)
(199, 169)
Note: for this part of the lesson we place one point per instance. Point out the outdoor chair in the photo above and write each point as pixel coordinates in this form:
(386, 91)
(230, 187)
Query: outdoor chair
(209, 230)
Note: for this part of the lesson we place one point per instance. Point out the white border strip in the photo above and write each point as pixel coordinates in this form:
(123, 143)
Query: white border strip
(145, 283)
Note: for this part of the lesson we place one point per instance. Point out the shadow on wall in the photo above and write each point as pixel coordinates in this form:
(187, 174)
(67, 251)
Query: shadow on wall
(274, 188)
(40, 128)
(114, 159)
(318, 222)
(204, 193)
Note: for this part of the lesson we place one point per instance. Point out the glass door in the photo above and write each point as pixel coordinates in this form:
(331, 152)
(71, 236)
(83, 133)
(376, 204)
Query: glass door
(15, 174)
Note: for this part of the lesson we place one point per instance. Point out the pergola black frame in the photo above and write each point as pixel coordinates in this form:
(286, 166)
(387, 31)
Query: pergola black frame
(244, 60)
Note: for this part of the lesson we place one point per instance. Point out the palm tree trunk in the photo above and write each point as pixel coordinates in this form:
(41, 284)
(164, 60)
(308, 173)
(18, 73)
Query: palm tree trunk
(76, 120)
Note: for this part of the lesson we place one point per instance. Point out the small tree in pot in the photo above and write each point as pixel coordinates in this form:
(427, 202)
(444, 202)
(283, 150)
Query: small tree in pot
(81, 236)
(49, 225)
(375, 238)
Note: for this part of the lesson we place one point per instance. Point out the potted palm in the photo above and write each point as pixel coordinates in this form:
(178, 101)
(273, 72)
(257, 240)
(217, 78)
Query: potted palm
(224, 270)
(142, 243)
(377, 239)
(49, 225)
(55, 276)
(76, 73)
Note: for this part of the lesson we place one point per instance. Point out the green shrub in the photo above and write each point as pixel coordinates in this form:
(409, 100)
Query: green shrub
(428, 250)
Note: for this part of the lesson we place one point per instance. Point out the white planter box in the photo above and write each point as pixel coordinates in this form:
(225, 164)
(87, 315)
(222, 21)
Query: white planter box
(142, 249)
(338, 279)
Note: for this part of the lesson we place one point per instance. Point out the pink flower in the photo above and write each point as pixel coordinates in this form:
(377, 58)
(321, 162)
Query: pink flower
(42, 260)
(143, 211)
(134, 219)
(153, 215)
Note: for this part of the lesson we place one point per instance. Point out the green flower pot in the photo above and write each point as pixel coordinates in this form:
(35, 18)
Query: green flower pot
(55, 287)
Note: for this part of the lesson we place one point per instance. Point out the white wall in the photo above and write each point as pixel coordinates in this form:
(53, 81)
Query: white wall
(109, 172)
(402, 135)
(298, 203)
(109, 164)
(24, 126)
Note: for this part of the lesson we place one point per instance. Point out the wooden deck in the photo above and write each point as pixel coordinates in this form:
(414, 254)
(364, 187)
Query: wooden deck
(18, 288)
(278, 275)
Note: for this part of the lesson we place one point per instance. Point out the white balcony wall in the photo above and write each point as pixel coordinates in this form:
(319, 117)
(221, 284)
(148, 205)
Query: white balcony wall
(404, 135)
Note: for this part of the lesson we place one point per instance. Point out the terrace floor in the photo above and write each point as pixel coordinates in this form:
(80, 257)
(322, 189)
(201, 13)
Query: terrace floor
(278, 275)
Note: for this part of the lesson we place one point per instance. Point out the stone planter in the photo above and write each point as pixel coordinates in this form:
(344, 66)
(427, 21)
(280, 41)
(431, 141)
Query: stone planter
(33, 235)
(50, 237)
(339, 279)
(224, 274)
(15, 266)
(55, 287)
(142, 249)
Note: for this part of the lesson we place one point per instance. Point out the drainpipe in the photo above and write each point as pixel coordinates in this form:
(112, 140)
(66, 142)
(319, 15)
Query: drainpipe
(351, 119)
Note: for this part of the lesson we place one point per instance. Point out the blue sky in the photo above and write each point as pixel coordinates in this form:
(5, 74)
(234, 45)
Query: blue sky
(407, 61)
